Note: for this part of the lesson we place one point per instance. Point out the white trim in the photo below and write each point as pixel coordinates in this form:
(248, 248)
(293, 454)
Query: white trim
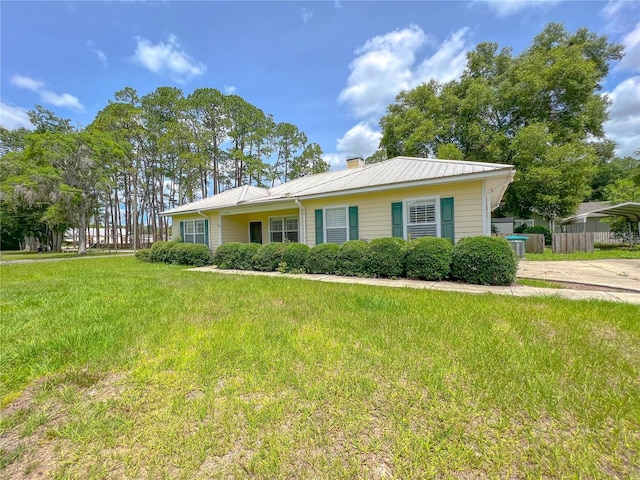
(324, 220)
(405, 213)
(284, 223)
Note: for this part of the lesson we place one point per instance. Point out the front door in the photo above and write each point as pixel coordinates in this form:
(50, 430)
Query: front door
(255, 232)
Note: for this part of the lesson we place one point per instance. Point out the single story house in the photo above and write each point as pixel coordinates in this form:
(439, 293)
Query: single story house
(589, 216)
(401, 197)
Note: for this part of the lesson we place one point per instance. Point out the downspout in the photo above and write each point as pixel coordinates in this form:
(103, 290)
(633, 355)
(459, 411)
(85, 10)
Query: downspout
(303, 221)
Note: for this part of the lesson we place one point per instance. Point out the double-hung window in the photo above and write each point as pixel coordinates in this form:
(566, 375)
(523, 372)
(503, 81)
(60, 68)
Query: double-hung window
(194, 231)
(336, 226)
(421, 218)
(283, 228)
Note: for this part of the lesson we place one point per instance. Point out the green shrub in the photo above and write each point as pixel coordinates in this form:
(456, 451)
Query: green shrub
(294, 256)
(539, 229)
(388, 257)
(247, 254)
(228, 255)
(322, 258)
(143, 254)
(484, 261)
(160, 251)
(429, 258)
(194, 254)
(268, 257)
(354, 259)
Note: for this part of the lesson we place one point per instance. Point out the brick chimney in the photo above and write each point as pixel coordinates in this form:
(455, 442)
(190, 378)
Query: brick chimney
(355, 162)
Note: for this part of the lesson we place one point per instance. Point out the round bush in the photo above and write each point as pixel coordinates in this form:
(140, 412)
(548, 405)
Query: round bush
(388, 257)
(247, 253)
(484, 261)
(294, 256)
(228, 255)
(194, 254)
(322, 258)
(268, 257)
(143, 254)
(429, 258)
(354, 259)
(160, 251)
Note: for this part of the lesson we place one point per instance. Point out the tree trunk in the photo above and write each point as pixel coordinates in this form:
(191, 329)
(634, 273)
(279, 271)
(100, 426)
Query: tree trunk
(82, 232)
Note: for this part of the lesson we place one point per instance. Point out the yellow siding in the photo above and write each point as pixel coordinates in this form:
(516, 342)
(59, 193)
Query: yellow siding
(235, 228)
(374, 209)
(213, 226)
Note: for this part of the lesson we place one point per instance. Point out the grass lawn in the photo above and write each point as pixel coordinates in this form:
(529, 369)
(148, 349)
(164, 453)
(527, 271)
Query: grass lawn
(26, 255)
(115, 368)
(597, 254)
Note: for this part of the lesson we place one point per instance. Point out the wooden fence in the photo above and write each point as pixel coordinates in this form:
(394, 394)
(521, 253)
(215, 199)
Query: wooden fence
(573, 242)
(534, 243)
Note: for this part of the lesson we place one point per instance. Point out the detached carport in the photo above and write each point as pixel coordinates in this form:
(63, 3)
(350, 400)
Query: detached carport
(628, 210)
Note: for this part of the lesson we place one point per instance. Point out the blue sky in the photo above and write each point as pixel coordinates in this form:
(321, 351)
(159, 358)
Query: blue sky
(329, 67)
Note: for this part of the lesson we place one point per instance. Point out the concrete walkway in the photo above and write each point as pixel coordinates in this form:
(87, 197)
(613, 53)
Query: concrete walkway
(541, 270)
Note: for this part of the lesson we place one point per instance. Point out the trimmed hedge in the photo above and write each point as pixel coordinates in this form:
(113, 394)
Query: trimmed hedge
(484, 261)
(294, 256)
(178, 253)
(143, 254)
(247, 253)
(322, 258)
(388, 257)
(429, 258)
(268, 257)
(354, 259)
(194, 254)
(160, 251)
(228, 255)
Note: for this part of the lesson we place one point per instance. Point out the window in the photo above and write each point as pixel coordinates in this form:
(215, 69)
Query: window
(283, 228)
(422, 220)
(336, 225)
(194, 232)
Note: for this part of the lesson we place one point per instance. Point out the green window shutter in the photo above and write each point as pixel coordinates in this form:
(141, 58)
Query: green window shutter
(319, 227)
(353, 223)
(182, 231)
(206, 232)
(396, 220)
(446, 219)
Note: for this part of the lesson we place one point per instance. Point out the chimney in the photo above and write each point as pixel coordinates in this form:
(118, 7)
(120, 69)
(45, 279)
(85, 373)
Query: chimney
(355, 162)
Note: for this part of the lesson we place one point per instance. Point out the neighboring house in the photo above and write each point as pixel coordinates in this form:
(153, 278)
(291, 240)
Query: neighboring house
(401, 197)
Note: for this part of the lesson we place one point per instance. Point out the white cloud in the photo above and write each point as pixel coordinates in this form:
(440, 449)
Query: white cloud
(307, 15)
(47, 96)
(631, 60)
(623, 126)
(448, 62)
(27, 83)
(101, 55)
(504, 8)
(61, 100)
(167, 59)
(13, 117)
(360, 141)
(229, 89)
(386, 65)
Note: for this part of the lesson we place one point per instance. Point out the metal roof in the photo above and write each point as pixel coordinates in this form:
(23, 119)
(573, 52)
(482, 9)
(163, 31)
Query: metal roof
(391, 173)
(629, 210)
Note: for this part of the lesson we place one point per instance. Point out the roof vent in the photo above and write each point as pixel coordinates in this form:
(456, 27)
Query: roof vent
(355, 162)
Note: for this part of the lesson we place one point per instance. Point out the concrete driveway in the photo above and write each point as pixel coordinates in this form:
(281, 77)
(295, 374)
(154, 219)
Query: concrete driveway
(623, 274)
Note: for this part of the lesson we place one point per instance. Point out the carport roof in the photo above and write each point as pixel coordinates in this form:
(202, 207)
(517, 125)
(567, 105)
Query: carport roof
(629, 210)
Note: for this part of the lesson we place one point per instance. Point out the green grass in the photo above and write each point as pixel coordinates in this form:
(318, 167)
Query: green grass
(115, 368)
(534, 282)
(597, 254)
(26, 255)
